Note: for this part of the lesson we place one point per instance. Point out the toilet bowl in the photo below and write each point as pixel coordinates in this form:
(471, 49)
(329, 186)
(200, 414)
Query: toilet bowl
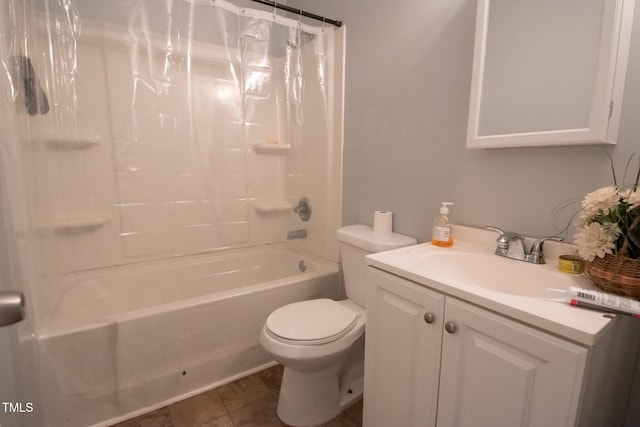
(320, 342)
(312, 357)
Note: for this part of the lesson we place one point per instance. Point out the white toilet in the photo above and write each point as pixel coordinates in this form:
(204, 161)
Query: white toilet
(321, 342)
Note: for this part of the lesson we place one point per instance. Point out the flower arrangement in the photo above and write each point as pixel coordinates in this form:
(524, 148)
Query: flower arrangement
(609, 223)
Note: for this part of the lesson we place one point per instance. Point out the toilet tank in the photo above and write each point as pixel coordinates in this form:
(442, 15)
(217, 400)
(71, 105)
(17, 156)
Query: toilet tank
(356, 242)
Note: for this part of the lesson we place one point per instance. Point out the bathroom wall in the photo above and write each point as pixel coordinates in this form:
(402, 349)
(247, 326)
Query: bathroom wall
(408, 73)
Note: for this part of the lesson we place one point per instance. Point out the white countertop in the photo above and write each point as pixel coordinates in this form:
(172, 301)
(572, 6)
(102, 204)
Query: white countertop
(578, 324)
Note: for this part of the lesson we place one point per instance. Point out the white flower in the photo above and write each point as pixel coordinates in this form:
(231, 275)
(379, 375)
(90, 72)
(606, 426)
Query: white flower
(602, 200)
(634, 199)
(595, 240)
(582, 219)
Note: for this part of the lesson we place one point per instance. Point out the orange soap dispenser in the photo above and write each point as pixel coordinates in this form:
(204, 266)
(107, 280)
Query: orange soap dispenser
(442, 232)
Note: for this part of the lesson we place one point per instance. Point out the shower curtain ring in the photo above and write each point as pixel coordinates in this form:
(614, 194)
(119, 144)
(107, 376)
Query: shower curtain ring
(300, 19)
(275, 8)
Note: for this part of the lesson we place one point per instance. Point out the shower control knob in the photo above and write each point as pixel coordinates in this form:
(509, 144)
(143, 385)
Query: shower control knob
(450, 327)
(429, 317)
(303, 209)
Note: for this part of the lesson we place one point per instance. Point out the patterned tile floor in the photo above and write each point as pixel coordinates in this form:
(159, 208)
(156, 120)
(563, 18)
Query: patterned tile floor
(247, 402)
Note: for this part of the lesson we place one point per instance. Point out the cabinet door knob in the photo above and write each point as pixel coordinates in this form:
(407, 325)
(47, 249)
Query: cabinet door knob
(429, 317)
(450, 327)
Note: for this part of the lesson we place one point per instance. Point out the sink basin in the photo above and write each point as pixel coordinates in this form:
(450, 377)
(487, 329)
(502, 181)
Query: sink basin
(498, 274)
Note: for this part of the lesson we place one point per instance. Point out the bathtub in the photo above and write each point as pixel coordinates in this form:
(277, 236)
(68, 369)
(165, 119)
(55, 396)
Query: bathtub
(126, 340)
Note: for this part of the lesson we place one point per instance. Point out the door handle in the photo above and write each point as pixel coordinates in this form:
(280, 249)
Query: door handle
(11, 307)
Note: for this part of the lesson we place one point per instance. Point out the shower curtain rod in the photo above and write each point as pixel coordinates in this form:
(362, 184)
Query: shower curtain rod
(299, 12)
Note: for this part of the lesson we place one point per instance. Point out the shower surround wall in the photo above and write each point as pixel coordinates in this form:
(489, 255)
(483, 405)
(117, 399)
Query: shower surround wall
(160, 144)
(174, 129)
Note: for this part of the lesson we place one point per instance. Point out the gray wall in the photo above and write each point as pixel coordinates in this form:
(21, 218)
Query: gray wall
(407, 88)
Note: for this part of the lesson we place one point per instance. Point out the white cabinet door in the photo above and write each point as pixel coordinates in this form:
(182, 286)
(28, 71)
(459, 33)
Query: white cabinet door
(402, 356)
(498, 372)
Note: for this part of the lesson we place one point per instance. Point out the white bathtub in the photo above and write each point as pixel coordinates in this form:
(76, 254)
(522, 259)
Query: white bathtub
(126, 340)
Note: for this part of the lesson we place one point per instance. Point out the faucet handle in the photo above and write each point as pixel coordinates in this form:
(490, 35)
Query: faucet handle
(303, 209)
(502, 240)
(492, 228)
(505, 237)
(536, 255)
(537, 245)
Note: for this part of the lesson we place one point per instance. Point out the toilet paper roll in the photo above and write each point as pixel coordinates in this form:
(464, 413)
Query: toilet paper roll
(382, 221)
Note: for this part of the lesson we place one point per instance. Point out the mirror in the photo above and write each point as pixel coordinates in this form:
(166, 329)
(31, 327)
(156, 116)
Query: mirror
(548, 72)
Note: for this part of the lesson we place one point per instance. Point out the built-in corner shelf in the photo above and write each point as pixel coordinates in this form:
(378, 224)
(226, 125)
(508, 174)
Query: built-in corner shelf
(270, 148)
(79, 223)
(70, 143)
(272, 207)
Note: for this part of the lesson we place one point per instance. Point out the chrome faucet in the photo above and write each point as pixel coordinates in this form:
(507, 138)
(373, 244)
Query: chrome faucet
(303, 209)
(512, 245)
(297, 234)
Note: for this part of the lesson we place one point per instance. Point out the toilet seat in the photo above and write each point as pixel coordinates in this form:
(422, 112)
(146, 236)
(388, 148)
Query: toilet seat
(312, 322)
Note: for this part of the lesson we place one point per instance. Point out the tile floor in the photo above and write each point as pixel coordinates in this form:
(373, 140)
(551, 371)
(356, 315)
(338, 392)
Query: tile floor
(249, 401)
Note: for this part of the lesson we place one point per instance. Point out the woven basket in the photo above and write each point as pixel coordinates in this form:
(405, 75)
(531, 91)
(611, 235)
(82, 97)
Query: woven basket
(616, 274)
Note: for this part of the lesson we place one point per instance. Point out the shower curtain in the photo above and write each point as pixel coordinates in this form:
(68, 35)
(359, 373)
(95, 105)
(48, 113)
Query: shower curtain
(140, 130)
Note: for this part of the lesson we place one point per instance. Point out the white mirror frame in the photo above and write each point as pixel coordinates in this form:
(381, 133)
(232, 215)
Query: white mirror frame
(607, 100)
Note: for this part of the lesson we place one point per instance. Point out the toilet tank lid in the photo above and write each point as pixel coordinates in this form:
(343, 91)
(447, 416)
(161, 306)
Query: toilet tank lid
(363, 236)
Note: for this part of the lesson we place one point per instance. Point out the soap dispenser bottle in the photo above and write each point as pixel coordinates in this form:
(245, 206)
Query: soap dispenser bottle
(442, 232)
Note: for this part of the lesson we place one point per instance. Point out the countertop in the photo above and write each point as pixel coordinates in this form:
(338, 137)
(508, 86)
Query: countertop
(553, 315)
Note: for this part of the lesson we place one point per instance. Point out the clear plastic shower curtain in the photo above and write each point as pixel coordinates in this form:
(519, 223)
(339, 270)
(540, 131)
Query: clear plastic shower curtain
(140, 130)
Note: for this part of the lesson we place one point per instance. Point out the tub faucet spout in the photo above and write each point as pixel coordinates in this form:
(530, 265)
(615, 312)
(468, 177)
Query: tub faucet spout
(297, 234)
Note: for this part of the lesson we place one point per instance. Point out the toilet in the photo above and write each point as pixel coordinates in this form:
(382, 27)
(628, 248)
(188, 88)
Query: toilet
(321, 342)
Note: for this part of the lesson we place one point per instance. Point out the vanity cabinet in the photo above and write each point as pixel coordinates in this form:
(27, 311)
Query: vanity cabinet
(498, 372)
(402, 352)
(435, 360)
